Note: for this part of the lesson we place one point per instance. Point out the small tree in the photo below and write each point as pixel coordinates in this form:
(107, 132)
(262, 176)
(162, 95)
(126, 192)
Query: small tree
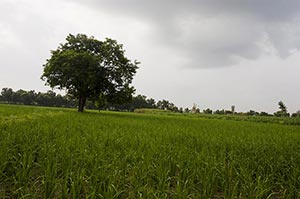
(297, 114)
(101, 102)
(264, 114)
(88, 68)
(252, 113)
(283, 110)
(7, 95)
(208, 111)
(282, 107)
(220, 112)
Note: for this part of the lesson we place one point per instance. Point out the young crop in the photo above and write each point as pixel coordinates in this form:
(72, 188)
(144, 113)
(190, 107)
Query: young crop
(59, 153)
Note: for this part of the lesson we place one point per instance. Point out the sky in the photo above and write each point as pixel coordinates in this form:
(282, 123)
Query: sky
(212, 53)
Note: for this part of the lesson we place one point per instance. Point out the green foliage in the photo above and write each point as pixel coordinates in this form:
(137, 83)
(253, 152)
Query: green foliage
(166, 105)
(282, 107)
(102, 101)
(139, 101)
(297, 114)
(283, 110)
(7, 95)
(49, 98)
(86, 68)
(220, 112)
(207, 111)
(58, 153)
(252, 113)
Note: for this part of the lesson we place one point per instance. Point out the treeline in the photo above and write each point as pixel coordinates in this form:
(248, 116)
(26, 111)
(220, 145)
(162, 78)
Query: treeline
(141, 101)
(52, 99)
(282, 112)
(31, 97)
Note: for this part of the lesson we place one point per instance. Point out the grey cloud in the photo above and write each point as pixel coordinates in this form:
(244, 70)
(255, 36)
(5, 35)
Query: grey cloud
(164, 35)
(214, 33)
(268, 9)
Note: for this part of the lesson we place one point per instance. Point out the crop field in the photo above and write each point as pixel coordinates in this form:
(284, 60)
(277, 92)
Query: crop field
(59, 153)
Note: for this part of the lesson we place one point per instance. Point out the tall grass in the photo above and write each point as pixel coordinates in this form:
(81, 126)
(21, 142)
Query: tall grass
(58, 153)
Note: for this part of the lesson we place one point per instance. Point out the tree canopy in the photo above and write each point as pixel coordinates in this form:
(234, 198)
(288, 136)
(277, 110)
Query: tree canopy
(283, 110)
(91, 69)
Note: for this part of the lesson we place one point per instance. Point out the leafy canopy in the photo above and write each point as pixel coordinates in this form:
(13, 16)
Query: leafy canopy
(89, 68)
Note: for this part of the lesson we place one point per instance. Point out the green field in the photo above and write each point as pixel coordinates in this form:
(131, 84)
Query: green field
(59, 153)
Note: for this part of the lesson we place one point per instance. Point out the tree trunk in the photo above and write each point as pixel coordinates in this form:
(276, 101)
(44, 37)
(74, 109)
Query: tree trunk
(81, 104)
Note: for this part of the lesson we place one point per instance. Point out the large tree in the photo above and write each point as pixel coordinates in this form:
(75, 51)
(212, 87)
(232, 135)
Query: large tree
(88, 68)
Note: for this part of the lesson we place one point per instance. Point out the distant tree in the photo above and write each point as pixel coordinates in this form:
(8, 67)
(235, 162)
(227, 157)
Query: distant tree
(264, 114)
(166, 105)
(282, 107)
(25, 97)
(227, 112)
(32, 98)
(282, 110)
(17, 96)
(141, 101)
(21, 96)
(297, 114)
(180, 110)
(186, 110)
(7, 95)
(172, 107)
(151, 103)
(220, 112)
(207, 111)
(163, 104)
(175, 109)
(50, 98)
(42, 99)
(252, 113)
(59, 101)
(101, 102)
(86, 68)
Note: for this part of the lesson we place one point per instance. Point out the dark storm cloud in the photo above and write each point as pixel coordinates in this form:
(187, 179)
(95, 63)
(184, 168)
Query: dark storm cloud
(215, 33)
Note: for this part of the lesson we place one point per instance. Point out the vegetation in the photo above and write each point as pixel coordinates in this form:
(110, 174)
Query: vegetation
(58, 153)
(52, 99)
(159, 151)
(90, 69)
(283, 110)
(236, 117)
(49, 98)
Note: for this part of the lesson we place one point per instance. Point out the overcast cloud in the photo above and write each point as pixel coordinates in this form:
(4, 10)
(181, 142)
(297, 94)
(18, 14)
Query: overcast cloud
(214, 33)
(214, 53)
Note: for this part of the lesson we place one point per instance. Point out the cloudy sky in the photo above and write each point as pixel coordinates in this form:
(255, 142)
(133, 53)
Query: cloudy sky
(214, 53)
